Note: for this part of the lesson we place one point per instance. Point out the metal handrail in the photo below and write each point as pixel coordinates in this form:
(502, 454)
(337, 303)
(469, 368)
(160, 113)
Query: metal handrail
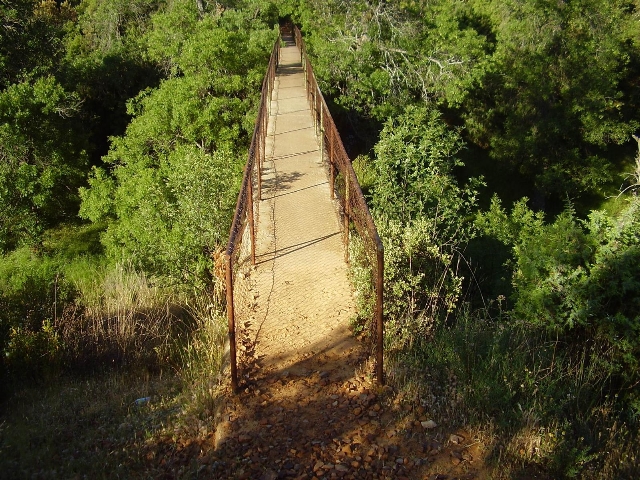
(244, 207)
(354, 206)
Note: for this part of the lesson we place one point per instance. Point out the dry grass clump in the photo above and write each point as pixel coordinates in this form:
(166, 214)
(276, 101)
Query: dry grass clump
(536, 411)
(120, 316)
(171, 345)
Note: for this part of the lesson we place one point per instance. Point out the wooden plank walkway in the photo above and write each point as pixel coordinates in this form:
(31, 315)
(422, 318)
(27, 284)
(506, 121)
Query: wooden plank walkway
(303, 297)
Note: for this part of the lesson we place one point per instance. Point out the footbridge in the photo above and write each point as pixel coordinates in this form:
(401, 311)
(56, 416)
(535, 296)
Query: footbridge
(301, 222)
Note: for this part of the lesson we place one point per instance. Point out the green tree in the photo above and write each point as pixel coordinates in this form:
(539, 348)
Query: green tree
(32, 37)
(423, 215)
(171, 180)
(43, 159)
(551, 100)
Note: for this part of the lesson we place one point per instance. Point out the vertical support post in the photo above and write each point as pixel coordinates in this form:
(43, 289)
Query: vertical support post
(312, 105)
(318, 108)
(261, 150)
(252, 232)
(322, 133)
(332, 173)
(380, 316)
(306, 79)
(347, 213)
(232, 323)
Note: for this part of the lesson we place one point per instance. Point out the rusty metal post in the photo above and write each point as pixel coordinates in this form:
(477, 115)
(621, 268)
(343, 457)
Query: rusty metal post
(232, 323)
(252, 232)
(380, 315)
(318, 110)
(312, 105)
(306, 76)
(347, 212)
(322, 133)
(261, 149)
(332, 174)
(309, 90)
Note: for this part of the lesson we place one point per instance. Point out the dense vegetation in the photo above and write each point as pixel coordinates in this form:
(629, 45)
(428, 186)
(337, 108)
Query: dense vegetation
(494, 143)
(124, 130)
(497, 153)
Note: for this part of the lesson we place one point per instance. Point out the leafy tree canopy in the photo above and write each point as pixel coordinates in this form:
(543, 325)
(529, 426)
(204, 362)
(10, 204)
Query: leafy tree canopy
(42, 159)
(172, 178)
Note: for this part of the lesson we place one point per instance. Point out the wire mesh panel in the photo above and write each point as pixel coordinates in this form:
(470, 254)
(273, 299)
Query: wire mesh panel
(241, 246)
(345, 186)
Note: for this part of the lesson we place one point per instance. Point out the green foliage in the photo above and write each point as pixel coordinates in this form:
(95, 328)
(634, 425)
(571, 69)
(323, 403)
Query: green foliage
(171, 29)
(546, 88)
(375, 58)
(550, 99)
(421, 211)
(28, 287)
(108, 24)
(415, 161)
(422, 281)
(43, 158)
(38, 291)
(33, 351)
(578, 279)
(171, 188)
(169, 215)
(32, 37)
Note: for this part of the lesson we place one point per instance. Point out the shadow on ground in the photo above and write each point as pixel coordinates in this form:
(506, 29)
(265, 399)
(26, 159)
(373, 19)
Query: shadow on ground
(322, 417)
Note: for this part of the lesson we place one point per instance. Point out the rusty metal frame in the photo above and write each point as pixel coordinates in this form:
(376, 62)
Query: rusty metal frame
(244, 212)
(353, 204)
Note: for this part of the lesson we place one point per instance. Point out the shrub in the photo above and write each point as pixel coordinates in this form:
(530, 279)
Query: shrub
(423, 216)
(29, 352)
(578, 279)
(29, 289)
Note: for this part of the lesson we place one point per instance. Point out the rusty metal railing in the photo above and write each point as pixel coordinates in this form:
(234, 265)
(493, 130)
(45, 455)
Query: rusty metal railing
(348, 192)
(245, 206)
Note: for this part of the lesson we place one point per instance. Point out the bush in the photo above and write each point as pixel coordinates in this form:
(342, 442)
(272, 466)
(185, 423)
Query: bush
(578, 279)
(170, 184)
(423, 216)
(28, 352)
(29, 289)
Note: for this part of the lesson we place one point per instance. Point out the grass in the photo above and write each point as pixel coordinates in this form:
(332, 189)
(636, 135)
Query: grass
(84, 426)
(97, 422)
(122, 317)
(100, 425)
(536, 405)
(86, 339)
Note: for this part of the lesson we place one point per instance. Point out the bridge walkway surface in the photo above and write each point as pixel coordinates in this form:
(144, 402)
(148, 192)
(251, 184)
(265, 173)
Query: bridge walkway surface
(303, 297)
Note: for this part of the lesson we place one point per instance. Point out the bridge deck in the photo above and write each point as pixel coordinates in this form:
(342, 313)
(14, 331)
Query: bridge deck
(303, 298)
